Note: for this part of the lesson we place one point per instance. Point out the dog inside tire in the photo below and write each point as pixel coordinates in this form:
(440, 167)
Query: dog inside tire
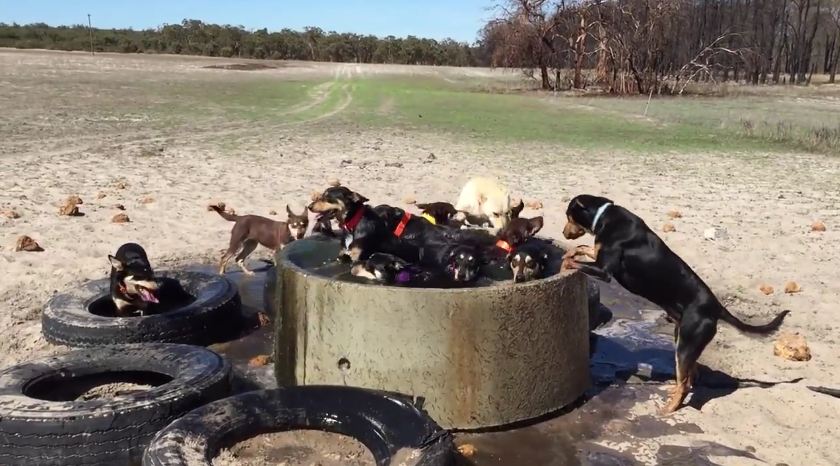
(385, 423)
(44, 420)
(214, 315)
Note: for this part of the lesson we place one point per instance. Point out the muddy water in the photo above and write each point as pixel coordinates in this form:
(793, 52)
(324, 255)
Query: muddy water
(630, 354)
(320, 259)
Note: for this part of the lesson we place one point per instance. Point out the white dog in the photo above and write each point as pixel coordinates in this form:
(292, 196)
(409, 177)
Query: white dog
(487, 198)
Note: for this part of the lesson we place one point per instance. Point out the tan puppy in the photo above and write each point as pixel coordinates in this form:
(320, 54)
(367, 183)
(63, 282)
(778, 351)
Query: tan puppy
(486, 198)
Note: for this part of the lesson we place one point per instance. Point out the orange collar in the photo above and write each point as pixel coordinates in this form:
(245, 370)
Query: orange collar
(401, 226)
(351, 224)
(504, 246)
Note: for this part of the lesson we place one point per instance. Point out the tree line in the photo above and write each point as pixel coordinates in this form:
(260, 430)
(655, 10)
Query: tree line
(194, 37)
(647, 46)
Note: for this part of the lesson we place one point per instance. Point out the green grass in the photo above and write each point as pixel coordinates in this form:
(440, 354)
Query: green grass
(438, 106)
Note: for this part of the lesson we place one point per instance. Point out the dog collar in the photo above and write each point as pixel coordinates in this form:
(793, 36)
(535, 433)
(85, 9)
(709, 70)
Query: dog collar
(504, 246)
(401, 226)
(599, 213)
(429, 218)
(351, 224)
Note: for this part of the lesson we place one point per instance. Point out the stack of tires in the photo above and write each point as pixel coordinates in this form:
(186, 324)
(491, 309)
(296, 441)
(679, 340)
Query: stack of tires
(47, 417)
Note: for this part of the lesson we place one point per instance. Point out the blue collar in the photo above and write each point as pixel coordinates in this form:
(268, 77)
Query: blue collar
(599, 213)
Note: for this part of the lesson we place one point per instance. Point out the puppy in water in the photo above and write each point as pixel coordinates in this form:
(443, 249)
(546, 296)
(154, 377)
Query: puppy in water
(529, 260)
(133, 282)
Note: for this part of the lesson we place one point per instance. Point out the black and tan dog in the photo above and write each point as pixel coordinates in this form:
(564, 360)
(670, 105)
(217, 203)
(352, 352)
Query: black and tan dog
(430, 245)
(529, 261)
(363, 231)
(252, 230)
(627, 249)
(133, 282)
(437, 213)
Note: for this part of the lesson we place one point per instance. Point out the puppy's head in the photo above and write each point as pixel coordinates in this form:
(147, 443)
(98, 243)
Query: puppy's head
(336, 200)
(580, 214)
(380, 267)
(297, 223)
(527, 265)
(463, 263)
(135, 279)
(519, 230)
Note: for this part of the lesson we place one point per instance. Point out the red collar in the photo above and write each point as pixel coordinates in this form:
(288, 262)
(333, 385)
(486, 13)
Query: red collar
(504, 246)
(401, 226)
(351, 224)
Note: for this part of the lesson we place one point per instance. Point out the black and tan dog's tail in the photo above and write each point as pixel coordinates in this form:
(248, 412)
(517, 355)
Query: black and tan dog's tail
(770, 327)
(225, 215)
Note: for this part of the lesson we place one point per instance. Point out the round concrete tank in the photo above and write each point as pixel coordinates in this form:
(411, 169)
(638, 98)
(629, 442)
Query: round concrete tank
(479, 357)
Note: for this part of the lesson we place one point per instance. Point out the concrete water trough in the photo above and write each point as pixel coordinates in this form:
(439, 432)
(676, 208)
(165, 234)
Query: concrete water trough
(483, 356)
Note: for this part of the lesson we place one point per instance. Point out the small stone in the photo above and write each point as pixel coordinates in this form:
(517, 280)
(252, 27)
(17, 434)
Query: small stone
(69, 209)
(259, 360)
(120, 218)
(346, 162)
(792, 346)
(73, 200)
(393, 164)
(119, 206)
(792, 287)
(9, 213)
(766, 289)
(818, 226)
(467, 450)
(272, 212)
(27, 244)
(410, 200)
(669, 228)
(120, 185)
(534, 204)
(147, 200)
(674, 213)
(430, 158)
(101, 196)
(334, 182)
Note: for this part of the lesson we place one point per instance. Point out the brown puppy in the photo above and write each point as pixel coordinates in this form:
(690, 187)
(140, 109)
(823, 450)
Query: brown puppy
(250, 230)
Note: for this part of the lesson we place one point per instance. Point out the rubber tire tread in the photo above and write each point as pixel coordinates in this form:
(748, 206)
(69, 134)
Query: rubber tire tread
(104, 431)
(384, 422)
(214, 317)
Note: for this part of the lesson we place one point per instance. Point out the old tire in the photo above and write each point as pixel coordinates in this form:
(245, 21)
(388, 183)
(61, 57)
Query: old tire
(212, 317)
(382, 422)
(104, 431)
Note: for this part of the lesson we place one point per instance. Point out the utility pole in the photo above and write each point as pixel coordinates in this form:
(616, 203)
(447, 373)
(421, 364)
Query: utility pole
(90, 31)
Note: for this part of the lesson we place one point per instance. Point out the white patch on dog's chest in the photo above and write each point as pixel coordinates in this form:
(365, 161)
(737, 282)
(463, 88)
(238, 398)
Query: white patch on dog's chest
(348, 240)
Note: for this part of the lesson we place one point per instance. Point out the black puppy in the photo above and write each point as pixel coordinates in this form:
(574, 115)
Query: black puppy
(429, 245)
(437, 213)
(390, 269)
(363, 232)
(133, 283)
(529, 260)
(627, 249)
(499, 247)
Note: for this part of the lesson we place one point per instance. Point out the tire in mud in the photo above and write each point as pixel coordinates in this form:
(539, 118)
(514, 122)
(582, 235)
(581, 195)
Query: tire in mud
(384, 422)
(42, 421)
(214, 314)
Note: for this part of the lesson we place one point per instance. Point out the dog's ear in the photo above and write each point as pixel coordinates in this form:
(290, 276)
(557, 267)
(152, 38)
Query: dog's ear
(358, 198)
(289, 211)
(535, 225)
(115, 263)
(517, 209)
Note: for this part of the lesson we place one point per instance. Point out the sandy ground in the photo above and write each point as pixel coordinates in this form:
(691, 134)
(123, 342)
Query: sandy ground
(764, 204)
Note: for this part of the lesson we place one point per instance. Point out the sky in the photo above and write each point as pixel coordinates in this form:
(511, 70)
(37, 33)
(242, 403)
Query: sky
(436, 19)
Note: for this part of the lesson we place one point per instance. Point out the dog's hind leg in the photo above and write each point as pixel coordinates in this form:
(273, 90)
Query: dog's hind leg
(247, 248)
(224, 260)
(692, 339)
